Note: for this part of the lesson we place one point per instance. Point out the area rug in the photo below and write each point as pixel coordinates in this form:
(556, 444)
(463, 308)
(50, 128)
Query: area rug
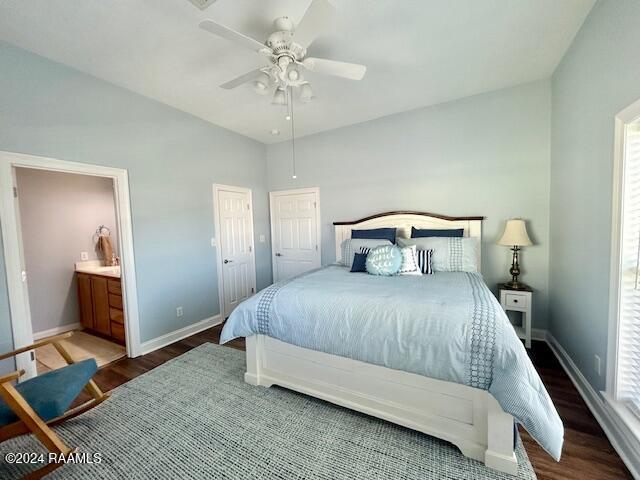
(194, 417)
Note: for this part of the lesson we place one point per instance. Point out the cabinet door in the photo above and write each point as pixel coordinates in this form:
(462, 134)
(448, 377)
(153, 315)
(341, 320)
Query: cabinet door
(100, 294)
(85, 300)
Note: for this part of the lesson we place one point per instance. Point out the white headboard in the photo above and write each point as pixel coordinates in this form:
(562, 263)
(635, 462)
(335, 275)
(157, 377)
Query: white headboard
(404, 220)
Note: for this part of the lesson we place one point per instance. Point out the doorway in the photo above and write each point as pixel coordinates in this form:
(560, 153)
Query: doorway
(58, 219)
(233, 218)
(295, 230)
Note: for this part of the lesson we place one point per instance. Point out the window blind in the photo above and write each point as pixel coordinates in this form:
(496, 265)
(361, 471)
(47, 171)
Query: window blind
(628, 375)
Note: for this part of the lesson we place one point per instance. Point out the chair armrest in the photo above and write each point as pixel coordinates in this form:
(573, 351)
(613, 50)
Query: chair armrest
(10, 377)
(35, 345)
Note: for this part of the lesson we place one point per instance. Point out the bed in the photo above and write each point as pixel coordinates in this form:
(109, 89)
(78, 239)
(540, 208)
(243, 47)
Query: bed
(433, 353)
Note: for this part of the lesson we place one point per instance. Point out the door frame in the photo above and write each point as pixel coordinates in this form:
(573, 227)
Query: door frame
(13, 248)
(295, 191)
(218, 187)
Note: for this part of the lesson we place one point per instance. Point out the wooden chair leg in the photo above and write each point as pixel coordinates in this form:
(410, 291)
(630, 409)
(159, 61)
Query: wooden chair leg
(30, 418)
(91, 387)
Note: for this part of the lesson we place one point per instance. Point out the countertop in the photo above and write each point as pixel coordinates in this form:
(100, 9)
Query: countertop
(95, 267)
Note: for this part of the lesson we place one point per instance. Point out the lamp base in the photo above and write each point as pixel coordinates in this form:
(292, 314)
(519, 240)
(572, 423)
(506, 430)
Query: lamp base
(516, 286)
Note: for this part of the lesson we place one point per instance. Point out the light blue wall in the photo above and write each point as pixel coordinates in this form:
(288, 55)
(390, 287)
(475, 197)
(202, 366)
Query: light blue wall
(598, 77)
(172, 158)
(484, 155)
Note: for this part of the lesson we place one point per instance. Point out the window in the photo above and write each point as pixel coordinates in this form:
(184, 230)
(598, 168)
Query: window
(628, 374)
(623, 374)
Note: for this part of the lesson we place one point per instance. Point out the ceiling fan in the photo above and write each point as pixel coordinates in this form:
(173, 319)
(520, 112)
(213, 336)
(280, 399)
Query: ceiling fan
(286, 53)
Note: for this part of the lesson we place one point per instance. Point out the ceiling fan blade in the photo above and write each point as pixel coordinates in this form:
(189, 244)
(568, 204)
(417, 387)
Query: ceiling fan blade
(233, 36)
(247, 77)
(352, 71)
(317, 18)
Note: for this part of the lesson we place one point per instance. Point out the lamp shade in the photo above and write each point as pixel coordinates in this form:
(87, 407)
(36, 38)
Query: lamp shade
(306, 92)
(279, 97)
(515, 234)
(261, 85)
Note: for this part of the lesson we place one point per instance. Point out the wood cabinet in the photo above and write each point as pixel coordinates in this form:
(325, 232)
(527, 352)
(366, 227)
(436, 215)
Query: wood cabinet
(100, 299)
(84, 298)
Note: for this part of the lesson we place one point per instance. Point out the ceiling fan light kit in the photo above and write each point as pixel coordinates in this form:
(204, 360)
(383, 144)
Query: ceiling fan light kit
(286, 52)
(306, 92)
(279, 97)
(262, 83)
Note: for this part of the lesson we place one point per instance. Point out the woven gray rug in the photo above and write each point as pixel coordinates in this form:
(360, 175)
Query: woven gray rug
(194, 417)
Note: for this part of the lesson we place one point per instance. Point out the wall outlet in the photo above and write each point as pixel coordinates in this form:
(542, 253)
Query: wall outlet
(213, 241)
(262, 238)
(84, 256)
(597, 364)
(179, 312)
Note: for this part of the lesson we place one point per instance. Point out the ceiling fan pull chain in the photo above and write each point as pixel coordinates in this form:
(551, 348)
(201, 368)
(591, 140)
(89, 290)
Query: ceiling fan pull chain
(293, 133)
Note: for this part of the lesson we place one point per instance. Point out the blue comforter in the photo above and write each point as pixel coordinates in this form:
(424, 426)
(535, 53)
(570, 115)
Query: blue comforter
(447, 326)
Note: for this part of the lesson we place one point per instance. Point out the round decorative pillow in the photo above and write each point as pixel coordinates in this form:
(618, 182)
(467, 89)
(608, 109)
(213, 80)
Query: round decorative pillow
(384, 260)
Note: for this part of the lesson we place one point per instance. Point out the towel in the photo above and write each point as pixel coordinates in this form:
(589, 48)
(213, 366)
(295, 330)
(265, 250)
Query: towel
(104, 246)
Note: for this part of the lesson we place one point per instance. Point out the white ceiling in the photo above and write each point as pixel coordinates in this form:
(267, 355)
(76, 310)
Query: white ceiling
(418, 52)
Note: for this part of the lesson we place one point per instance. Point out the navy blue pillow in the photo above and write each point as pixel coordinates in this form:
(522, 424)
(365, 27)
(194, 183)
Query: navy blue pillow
(376, 233)
(427, 232)
(359, 262)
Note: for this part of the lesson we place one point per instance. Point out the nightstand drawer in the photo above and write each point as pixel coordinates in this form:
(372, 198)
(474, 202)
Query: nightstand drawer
(517, 300)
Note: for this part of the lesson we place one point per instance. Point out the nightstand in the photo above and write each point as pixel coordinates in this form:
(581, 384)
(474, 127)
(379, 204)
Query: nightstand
(518, 301)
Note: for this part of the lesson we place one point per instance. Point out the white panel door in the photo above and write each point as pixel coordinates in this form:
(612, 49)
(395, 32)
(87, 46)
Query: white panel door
(236, 246)
(295, 229)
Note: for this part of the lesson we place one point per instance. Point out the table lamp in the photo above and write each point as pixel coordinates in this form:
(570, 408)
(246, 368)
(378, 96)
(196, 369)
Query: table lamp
(515, 236)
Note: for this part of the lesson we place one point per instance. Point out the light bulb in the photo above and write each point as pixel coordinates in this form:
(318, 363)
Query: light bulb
(293, 74)
(259, 87)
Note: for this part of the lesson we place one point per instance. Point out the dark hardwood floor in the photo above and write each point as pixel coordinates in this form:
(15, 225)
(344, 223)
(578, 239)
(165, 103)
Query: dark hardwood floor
(587, 454)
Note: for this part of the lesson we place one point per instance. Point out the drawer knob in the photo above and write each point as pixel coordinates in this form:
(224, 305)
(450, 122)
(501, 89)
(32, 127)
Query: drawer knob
(515, 300)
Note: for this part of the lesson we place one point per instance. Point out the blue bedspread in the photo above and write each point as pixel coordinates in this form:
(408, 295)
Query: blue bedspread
(447, 326)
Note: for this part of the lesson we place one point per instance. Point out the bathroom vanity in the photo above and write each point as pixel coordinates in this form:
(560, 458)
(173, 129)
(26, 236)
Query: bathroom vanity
(100, 298)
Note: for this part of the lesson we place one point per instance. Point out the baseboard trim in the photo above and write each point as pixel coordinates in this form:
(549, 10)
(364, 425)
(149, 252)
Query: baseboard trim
(57, 331)
(539, 334)
(622, 439)
(177, 335)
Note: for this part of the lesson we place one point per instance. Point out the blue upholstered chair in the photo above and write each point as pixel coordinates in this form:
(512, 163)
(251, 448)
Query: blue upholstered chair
(36, 404)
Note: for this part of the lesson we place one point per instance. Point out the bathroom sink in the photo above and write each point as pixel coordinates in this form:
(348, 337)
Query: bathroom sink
(110, 271)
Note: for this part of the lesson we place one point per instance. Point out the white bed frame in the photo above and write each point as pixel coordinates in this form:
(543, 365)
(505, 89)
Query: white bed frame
(468, 417)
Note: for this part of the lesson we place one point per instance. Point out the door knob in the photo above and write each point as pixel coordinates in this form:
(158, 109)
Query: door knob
(278, 254)
(228, 261)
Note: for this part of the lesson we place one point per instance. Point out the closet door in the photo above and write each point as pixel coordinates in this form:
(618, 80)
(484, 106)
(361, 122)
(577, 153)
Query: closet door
(295, 232)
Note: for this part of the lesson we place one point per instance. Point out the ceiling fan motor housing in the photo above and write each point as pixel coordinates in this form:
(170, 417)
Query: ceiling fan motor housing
(281, 43)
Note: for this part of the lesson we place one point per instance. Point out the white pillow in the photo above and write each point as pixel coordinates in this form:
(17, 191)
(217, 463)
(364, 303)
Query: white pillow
(351, 246)
(409, 264)
(450, 254)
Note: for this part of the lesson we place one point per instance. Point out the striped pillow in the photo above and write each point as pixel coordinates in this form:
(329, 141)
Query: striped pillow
(424, 261)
